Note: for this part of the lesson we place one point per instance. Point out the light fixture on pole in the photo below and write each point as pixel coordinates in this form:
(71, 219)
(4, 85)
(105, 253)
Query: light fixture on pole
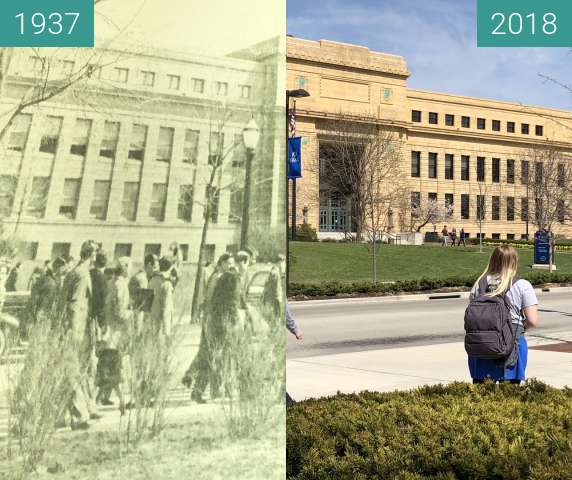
(250, 137)
(298, 93)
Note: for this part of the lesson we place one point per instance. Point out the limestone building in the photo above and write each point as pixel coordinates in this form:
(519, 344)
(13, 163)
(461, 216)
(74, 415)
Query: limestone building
(453, 145)
(122, 156)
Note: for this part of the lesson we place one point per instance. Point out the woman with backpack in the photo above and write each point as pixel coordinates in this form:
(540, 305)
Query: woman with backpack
(512, 308)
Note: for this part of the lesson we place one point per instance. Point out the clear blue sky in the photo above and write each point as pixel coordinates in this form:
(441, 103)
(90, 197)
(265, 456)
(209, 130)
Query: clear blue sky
(438, 40)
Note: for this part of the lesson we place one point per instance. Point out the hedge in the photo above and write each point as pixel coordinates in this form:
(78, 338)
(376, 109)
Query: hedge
(459, 431)
(560, 246)
(334, 288)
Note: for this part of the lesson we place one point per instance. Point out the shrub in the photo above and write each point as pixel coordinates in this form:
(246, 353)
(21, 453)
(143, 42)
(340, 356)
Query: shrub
(306, 233)
(459, 431)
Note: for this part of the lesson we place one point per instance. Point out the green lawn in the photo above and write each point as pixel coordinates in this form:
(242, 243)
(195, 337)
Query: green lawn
(315, 262)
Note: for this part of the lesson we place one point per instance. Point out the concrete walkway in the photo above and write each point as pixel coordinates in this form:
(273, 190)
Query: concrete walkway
(405, 368)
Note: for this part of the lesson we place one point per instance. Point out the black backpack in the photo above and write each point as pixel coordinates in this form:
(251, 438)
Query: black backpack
(489, 332)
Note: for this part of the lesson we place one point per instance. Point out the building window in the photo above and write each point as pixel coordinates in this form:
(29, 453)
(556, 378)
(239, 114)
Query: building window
(19, 132)
(191, 147)
(174, 82)
(481, 207)
(147, 78)
(37, 200)
(415, 164)
(98, 208)
(416, 116)
(28, 250)
(539, 130)
(524, 209)
(68, 206)
(495, 207)
(80, 138)
(449, 166)
(122, 250)
(415, 202)
(560, 211)
(138, 142)
(109, 141)
(158, 200)
(184, 249)
(525, 129)
(509, 171)
(235, 213)
(481, 123)
(61, 249)
(221, 89)
(121, 74)
(198, 85)
(245, 91)
(561, 175)
(466, 122)
(496, 125)
(510, 127)
(480, 169)
(209, 252)
(524, 173)
(538, 173)
(213, 200)
(449, 120)
(432, 165)
(524, 236)
(8, 185)
(185, 206)
(510, 209)
(432, 196)
(465, 167)
(464, 207)
(496, 170)
(165, 144)
(52, 128)
(129, 202)
(449, 199)
(495, 236)
(510, 236)
(36, 63)
(238, 152)
(433, 118)
(216, 146)
(152, 249)
(67, 67)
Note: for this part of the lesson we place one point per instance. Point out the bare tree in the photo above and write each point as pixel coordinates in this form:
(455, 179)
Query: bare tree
(482, 207)
(352, 148)
(428, 211)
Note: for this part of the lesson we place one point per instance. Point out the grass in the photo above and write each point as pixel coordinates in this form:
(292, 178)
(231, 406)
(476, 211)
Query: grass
(315, 262)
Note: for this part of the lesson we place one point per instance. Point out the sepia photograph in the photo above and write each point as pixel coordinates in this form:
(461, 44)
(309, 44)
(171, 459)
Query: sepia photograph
(142, 257)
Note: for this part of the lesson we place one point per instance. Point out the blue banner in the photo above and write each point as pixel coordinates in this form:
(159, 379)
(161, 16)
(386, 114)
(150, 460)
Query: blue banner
(541, 247)
(295, 157)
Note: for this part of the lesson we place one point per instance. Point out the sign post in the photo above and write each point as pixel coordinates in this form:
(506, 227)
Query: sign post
(543, 250)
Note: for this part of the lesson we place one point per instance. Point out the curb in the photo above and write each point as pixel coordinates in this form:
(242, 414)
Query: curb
(420, 297)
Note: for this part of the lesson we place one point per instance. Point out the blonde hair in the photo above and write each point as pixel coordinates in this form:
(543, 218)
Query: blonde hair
(504, 264)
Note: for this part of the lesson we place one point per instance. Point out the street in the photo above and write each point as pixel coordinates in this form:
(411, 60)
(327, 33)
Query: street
(381, 344)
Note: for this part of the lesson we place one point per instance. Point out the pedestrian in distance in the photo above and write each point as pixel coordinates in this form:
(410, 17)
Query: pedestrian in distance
(499, 288)
(461, 238)
(445, 234)
(453, 236)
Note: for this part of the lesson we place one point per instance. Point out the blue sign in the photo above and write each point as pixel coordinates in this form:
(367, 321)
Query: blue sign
(295, 157)
(542, 247)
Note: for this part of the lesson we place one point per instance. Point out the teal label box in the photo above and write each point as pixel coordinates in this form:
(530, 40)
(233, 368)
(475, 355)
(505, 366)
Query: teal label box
(46, 23)
(524, 23)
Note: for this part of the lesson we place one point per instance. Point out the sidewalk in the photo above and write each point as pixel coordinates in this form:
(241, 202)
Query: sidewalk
(406, 368)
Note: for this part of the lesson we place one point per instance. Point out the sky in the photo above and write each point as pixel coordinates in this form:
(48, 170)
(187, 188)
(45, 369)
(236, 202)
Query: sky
(438, 40)
(210, 27)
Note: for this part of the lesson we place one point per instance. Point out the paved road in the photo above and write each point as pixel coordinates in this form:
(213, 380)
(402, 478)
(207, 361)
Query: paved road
(350, 326)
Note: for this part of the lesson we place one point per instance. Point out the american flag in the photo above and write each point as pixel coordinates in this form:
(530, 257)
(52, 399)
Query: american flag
(293, 120)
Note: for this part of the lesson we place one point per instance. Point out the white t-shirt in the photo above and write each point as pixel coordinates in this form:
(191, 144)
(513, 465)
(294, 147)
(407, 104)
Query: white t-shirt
(521, 295)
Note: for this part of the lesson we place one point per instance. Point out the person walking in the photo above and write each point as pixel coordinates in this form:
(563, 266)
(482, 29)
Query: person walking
(461, 238)
(445, 235)
(453, 236)
(499, 278)
(12, 282)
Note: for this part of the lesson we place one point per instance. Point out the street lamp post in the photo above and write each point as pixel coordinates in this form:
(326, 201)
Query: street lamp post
(299, 93)
(250, 136)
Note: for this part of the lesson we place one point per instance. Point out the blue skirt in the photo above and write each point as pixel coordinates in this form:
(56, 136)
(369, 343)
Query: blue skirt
(481, 369)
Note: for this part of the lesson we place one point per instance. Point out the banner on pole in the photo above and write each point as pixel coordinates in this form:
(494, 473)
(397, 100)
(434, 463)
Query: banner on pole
(295, 157)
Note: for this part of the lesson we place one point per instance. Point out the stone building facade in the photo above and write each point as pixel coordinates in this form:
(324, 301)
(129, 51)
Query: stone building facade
(449, 140)
(123, 156)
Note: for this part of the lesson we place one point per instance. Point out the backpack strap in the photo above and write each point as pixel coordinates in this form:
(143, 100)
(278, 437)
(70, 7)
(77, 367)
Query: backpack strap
(483, 285)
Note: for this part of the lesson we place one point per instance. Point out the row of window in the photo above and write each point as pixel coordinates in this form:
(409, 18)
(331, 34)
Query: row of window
(482, 168)
(51, 132)
(490, 210)
(36, 204)
(450, 121)
(147, 78)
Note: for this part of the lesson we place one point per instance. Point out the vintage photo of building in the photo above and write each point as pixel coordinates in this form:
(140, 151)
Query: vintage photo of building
(142, 254)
